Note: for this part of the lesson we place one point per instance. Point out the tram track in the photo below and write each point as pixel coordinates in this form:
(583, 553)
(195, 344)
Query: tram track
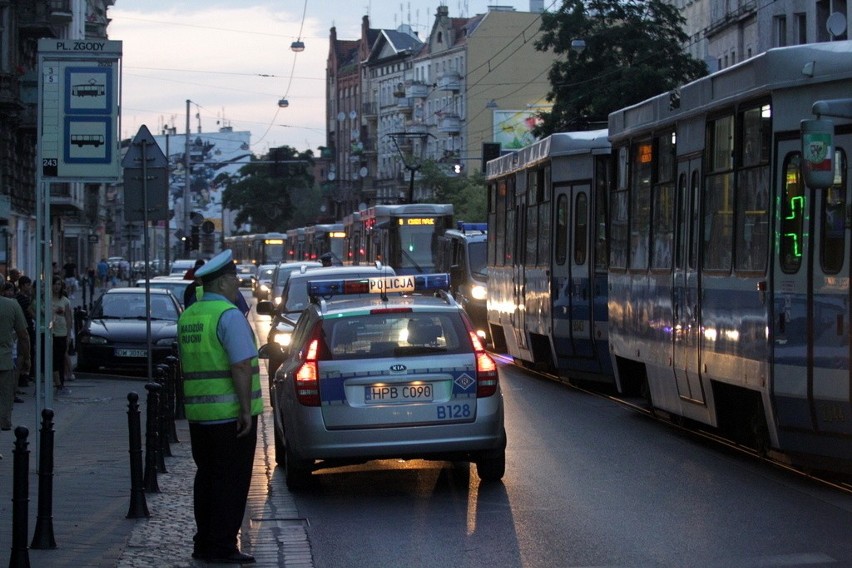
(774, 459)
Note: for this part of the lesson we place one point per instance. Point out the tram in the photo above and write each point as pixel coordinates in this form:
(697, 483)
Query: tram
(260, 248)
(729, 295)
(547, 255)
(326, 238)
(296, 244)
(404, 236)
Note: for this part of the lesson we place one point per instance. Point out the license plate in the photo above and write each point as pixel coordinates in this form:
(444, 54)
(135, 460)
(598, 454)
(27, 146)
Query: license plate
(375, 394)
(131, 353)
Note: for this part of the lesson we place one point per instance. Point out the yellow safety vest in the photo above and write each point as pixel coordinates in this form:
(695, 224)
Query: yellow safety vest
(208, 388)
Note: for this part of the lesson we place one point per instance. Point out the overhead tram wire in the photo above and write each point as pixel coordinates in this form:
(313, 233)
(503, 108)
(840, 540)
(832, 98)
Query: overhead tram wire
(290, 82)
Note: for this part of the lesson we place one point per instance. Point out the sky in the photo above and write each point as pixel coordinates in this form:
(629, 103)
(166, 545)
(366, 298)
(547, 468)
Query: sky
(232, 60)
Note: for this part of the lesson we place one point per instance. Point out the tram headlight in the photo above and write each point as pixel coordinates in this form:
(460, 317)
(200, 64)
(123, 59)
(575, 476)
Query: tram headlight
(479, 292)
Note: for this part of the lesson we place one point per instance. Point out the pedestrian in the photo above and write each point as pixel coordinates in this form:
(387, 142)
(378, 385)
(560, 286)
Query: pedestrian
(13, 328)
(222, 399)
(61, 331)
(25, 300)
(69, 271)
(103, 272)
(14, 276)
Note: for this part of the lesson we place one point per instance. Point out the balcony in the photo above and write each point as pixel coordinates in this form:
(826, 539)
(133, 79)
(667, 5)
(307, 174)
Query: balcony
(417, 127)
(370, 111)
(9, 93)
(34, 19)
(66, 198)
(60, 11)
(450, 81)
(405, 105)
(416, 90)
(449, 123)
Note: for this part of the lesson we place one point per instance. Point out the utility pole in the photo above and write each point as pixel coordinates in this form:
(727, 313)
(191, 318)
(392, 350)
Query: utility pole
(186, 166)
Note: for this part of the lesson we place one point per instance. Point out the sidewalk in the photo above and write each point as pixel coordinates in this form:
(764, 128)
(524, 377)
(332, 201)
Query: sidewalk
(91, 488)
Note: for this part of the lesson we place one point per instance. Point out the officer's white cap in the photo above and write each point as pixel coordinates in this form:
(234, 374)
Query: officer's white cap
(220, 264)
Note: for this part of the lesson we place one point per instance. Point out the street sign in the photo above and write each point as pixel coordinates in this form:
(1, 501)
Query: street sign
(79, 87)
(145, 172)
(153, 154)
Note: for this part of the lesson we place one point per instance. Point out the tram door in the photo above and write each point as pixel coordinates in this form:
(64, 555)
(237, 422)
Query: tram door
(573, 316)
(811, 320)
(686, 303)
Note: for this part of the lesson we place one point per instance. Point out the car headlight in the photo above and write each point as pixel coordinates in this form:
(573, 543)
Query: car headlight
(93, 340)
(282, 338)
(264, 288)
(479, 292)
(277, 300)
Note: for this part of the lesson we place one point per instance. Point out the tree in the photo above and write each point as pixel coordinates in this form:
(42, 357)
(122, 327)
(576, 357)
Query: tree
(466, 193)
(632, 52)
(268, 196)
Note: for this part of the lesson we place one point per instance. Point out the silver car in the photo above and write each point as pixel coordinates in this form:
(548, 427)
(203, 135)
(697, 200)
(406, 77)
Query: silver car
(389, 376)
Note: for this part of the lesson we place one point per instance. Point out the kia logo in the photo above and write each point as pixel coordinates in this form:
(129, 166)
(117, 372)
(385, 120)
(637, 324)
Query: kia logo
(398, 368)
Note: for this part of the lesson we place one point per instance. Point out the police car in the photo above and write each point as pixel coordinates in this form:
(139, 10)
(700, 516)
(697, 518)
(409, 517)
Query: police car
(400, 373)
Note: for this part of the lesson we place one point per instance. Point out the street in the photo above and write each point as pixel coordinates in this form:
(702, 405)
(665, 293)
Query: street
(588, 483)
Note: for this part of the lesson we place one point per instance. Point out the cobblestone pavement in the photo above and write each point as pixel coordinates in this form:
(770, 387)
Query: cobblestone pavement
(91, 494)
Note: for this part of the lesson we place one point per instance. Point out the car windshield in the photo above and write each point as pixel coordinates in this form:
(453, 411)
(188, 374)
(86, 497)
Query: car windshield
(477, 253)
(394, 334)
(246, 268)
(132, 306)
(265, 272)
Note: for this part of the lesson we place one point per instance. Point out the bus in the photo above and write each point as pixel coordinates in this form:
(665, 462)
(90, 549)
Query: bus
(326, 238)
(257, 249)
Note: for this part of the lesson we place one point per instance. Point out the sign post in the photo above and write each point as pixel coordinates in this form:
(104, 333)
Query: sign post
(78, 122)
(145, 175)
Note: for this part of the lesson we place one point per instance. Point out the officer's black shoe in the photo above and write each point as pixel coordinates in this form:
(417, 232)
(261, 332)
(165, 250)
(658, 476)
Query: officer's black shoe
(233, 558)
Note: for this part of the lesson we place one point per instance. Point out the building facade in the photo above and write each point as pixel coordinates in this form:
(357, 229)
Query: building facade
(77, 209)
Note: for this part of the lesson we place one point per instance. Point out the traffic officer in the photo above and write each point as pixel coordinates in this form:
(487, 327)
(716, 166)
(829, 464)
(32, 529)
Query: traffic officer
(222, 398)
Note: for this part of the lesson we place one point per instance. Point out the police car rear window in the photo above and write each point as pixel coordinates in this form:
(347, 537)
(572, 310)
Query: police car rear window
(404, 334)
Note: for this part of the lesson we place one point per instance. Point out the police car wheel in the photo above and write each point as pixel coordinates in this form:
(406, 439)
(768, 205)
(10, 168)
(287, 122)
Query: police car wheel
(297, 473)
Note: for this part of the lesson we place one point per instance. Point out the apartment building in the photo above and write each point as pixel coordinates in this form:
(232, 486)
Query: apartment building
(75, 208)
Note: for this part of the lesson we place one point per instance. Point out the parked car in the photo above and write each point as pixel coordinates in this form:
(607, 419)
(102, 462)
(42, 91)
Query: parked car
(390, 376)
(282, 274)
(263, 283)
(114, 336)
(174, 284)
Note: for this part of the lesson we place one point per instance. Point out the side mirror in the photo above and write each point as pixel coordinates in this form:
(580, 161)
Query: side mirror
(271, 351)
(265, 308)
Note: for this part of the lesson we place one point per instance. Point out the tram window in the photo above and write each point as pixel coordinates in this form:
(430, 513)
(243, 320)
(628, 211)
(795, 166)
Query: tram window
(581, 213)
(681, 222)
(756, 135)
(792, 209)
(500, 225)
(618, 230)
(640, 206)
(693, 224)
(561, 244)
(531, 235)
(752, 231)
(666, 157)
(718, 222)
(663, 226)
(544, 233)
(721, 144)
(833, 245)
(602, 171)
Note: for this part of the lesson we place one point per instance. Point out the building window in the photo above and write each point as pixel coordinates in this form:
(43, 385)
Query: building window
(779, 29)
(801, 28)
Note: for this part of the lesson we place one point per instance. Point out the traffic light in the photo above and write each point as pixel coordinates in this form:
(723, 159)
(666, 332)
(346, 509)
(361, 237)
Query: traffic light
(193, 244)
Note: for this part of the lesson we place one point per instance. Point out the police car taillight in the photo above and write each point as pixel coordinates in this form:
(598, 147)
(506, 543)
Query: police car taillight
(486, 369)
(307, 377)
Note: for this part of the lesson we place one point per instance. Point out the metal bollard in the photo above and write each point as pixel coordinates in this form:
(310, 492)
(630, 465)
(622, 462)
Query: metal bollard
(20, 556)
(171, 381)
(43, 535)
(152, 444)
(138, 506)
(162, 415)
(180, 412)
